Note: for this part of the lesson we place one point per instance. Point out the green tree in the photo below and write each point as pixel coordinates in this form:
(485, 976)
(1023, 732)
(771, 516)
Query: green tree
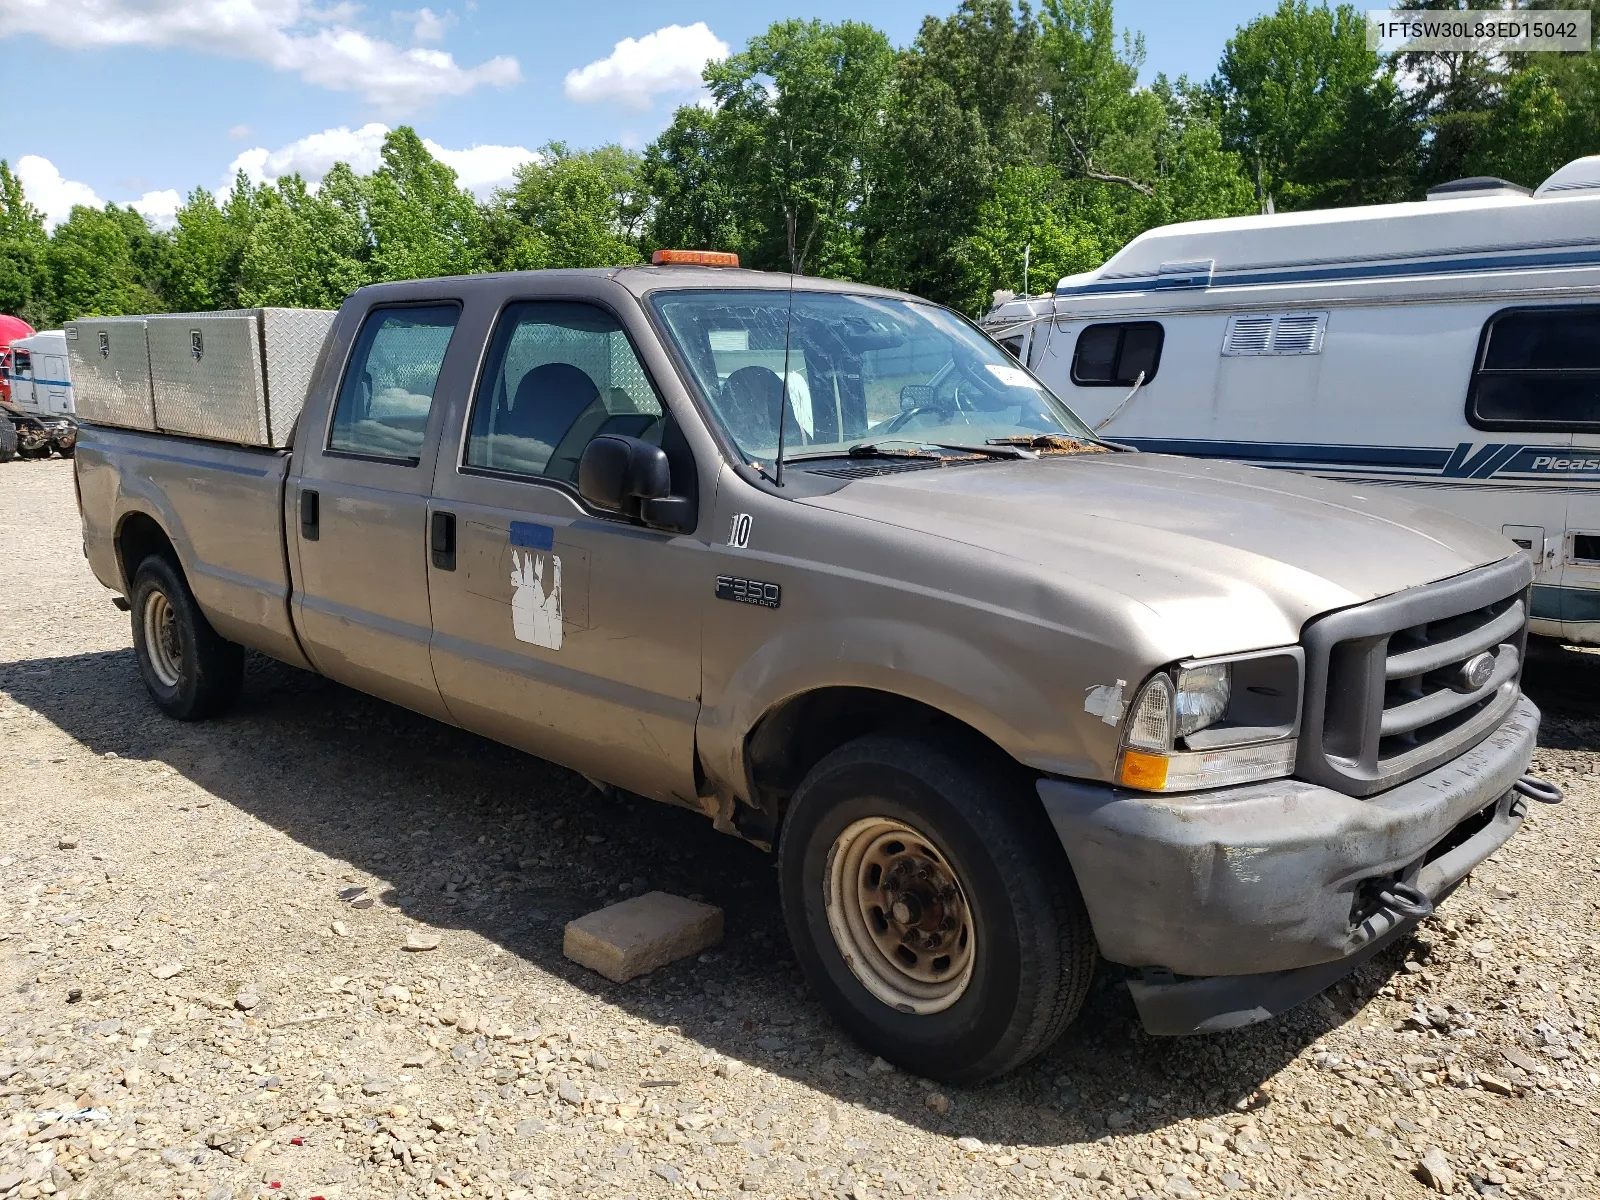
(422, 224)
(693, 197)
(569, 209)
(799, 112)
(1103, 126)
(1311, 111)
(963, 106)
(203, 256)
(1034, 217)
(22, 245)
(104, 262)
(307, 249)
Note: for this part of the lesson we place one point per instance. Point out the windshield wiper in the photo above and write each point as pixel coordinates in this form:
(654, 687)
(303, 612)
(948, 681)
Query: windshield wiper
(993, 447)
(890, 448)
(1048, 441)
(863, 450)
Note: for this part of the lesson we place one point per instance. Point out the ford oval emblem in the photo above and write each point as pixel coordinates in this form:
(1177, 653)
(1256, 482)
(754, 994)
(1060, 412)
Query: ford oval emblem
(1476, 672)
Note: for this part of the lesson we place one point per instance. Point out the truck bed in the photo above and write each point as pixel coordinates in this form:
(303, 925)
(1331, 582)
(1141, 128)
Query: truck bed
(221, 505)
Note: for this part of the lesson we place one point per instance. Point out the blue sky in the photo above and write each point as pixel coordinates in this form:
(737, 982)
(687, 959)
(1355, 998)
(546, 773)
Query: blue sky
(137, 101)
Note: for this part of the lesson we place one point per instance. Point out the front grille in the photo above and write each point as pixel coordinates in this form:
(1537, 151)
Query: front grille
(1387, 693)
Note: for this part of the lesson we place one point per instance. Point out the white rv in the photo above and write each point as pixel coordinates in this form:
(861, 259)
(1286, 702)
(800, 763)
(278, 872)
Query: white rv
(40, 383)
(1450, 345)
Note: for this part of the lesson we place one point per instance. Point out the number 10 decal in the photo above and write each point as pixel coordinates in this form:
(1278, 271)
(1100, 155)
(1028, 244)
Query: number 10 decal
(739, 531)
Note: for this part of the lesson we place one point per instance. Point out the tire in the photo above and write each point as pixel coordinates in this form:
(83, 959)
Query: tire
(1015, 953)
(191, 671)
(8, 440)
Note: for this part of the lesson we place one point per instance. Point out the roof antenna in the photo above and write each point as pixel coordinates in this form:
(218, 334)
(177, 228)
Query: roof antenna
(783, 398)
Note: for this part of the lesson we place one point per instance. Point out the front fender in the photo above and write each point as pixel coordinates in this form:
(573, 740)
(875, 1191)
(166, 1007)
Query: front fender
(989, 691)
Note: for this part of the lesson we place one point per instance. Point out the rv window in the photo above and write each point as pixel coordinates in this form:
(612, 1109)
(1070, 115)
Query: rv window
(1114, 355)
(1538, 368)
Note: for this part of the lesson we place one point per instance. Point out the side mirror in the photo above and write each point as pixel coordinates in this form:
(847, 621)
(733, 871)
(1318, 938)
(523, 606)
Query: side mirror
(617, 473)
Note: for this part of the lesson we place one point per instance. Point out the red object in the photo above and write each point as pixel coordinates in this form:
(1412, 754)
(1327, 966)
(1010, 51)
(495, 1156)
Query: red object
(274, 1184)
(11, 328)
(297, 1141)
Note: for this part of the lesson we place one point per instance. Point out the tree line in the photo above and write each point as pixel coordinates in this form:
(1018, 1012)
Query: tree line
(1006, 146)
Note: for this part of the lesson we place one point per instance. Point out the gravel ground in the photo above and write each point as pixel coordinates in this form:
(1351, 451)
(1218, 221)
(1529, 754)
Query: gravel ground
(203, 932)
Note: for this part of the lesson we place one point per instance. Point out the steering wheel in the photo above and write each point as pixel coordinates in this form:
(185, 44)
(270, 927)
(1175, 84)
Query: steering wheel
(899, 422)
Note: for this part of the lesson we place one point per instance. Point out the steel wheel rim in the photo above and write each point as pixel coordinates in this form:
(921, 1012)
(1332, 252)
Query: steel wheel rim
(161, 639)
(899, 915)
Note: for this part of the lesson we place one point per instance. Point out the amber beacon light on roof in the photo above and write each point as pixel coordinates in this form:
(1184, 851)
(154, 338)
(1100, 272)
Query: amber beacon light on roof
(694, 258)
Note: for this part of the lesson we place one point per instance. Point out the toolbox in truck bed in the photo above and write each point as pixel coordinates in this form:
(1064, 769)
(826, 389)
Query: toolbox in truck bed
(238, 376)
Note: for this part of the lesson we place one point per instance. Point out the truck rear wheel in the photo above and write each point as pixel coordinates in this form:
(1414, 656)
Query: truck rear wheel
(8, 440)
(191, 671)
(932, 908)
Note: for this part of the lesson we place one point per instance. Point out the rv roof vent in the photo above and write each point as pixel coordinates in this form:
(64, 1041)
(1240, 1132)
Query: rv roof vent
(1581, 174)
(1478, 185)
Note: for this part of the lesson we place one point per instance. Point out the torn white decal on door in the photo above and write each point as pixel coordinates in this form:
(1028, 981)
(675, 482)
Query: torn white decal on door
(536, 598)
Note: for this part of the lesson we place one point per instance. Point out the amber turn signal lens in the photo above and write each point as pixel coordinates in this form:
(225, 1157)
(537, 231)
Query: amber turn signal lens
(694, 258)
(1145, 771)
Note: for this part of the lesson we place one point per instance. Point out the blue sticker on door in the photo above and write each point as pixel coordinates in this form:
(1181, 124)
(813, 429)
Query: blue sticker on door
(532, 537)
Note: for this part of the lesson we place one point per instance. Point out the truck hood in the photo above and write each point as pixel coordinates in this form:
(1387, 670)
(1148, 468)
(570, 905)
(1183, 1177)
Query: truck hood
(1211, 557)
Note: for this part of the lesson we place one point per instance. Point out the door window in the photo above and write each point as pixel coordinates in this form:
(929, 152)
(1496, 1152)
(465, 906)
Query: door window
(387, 394)
(558, 375)
(1538, 368)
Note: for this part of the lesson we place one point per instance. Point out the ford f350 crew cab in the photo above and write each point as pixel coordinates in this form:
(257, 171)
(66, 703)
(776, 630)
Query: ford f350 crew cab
(823, 563)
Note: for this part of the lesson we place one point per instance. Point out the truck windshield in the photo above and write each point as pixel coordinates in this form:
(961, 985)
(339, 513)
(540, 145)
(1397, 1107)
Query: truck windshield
(860, 369)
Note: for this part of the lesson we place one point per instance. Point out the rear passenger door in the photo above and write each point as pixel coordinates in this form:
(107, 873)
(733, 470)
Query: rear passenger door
(358, 508)
(566, 632)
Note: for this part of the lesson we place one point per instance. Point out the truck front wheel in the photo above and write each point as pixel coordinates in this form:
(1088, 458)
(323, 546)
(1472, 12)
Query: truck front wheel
(191, 671)
(932, 908)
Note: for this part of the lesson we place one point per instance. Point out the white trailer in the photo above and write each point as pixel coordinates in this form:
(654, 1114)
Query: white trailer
(40, 380)
(1450, 345)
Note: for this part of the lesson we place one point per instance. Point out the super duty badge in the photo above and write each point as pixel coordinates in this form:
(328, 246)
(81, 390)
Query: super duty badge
(748, 591)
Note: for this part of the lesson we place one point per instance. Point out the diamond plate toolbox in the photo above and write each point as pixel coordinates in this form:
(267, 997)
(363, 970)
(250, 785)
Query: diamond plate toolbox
(239, 376)
(293, 338)
(109, 358)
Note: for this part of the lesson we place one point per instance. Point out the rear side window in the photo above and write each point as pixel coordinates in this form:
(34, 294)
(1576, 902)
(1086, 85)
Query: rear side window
(1113, 355)
(559, 374)
(387, 394)
(1538, 368)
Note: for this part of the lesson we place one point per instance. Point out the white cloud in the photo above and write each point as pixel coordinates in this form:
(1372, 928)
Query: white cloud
(55, 196)
(319, 45)
(239, 132)
(480, 169)
(49, 192)
(427, 25)
(639, 69)
(159, 208)
(313, 155)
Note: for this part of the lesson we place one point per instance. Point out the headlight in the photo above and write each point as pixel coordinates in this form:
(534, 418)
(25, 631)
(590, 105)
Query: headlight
(1215, 722)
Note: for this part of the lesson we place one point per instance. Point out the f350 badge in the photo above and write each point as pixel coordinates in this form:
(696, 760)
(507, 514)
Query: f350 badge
(749, 591)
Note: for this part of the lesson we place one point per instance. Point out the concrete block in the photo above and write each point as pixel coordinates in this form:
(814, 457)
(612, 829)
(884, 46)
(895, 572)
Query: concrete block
(634, 937)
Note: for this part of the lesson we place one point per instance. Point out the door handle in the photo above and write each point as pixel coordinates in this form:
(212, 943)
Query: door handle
(442, 539)
(310, 515)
